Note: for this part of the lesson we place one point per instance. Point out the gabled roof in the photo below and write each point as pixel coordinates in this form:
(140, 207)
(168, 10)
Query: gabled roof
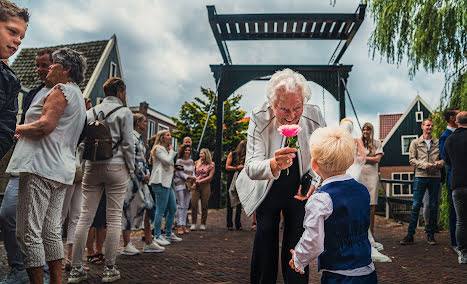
(386, 123)
(96, 53)
(401, 119)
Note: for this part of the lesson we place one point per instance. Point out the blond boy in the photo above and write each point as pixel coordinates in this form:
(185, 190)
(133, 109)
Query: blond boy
(337, 215)
(13, 25)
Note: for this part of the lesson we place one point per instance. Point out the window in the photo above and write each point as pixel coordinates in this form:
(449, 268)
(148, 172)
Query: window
(399, 189)
(162, 127)
(405, 143)
(151, 128)
(174, 143)
(113, 70)
(419, 116)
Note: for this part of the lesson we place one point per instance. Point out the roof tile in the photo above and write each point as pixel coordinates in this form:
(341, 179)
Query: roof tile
(386, 123)
(25, 64)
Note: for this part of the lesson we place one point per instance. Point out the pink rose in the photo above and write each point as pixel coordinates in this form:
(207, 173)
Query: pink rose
(289, 130)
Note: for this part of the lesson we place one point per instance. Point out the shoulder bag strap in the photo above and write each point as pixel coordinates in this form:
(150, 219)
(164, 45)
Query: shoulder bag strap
(110, 113)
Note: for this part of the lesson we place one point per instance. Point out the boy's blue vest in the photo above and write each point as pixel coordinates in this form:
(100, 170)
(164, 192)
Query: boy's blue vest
(346, 244)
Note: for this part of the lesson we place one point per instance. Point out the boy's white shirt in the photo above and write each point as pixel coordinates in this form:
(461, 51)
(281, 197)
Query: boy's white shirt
(317, 209)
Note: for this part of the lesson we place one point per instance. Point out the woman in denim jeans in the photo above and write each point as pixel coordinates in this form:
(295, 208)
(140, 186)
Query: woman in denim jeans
(162, 159)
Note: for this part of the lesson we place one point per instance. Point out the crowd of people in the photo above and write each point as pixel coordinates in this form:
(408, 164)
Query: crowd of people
(323, 187)
(55, 186)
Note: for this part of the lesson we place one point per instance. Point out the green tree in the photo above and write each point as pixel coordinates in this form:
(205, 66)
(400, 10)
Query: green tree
(193, 115)
(430, 34)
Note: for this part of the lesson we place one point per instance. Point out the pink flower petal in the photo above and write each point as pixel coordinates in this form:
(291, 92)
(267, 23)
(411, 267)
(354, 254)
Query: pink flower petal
(289, 130)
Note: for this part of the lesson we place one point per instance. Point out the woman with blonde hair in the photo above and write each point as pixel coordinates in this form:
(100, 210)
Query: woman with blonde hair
(355, 170)
(374, 152)
(162, 160)
(204, 171)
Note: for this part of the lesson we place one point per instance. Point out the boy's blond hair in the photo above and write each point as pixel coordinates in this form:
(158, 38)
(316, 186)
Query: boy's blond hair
(332, 148)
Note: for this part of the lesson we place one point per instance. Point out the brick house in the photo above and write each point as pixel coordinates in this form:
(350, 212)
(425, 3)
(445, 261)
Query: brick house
(156, 121)
(396, 133)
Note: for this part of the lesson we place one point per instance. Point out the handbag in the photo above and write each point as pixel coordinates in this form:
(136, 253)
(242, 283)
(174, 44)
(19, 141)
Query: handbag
(233, 195)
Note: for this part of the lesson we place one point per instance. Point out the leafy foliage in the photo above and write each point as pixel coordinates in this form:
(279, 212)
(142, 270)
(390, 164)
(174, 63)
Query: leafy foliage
(431, 34)
(193, 116)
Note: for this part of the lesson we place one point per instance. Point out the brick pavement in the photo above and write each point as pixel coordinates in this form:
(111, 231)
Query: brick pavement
(221, 256)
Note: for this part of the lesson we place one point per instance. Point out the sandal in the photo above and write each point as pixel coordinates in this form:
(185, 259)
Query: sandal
(253, 226)
(186, 230)
(230, 228)
(90, 258)
(180, 231)
(98, 258)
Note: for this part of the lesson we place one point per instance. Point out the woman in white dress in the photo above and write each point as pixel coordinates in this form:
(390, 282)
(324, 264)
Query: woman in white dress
(355, 170)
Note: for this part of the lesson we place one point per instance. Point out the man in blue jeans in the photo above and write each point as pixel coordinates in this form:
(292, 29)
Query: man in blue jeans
(8, 209)
(425, 156)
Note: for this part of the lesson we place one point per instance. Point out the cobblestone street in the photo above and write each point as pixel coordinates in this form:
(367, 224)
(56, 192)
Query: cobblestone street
(221, 256)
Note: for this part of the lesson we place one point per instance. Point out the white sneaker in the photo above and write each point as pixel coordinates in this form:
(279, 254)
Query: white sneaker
(130, 250)
(202, 227)
(153, 247)
(462, 259)
(173, 238)
(193, 227)
(110, 275)
(162, 241)
(77, 274)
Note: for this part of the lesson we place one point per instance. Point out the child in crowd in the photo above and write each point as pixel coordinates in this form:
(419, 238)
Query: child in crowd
(337, 216)
(13, 25)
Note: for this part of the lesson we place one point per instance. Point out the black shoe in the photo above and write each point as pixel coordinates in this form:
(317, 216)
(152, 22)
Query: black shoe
(408, 240)
(430, 238)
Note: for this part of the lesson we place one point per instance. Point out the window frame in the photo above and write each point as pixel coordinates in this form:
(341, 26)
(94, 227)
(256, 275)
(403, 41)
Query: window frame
(163, 126)
(113, 74)
(402, 143)
(411, 176)
(151, 125)
(417, 114)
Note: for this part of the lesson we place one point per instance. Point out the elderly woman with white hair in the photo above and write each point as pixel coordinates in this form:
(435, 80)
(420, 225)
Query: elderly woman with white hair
(274, 174)
(45, 158)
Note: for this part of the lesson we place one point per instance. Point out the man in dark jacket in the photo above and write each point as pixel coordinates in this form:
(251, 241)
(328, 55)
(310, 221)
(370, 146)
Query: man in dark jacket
(450, 117)
(456, 156)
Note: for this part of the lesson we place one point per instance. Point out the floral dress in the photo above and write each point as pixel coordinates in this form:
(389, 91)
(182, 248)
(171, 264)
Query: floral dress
(138, 197)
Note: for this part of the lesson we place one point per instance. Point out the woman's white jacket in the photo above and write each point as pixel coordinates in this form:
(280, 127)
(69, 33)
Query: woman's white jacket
(162, 167)
(254, 182)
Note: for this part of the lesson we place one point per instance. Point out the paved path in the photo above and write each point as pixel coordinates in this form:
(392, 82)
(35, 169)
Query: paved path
(221, 256)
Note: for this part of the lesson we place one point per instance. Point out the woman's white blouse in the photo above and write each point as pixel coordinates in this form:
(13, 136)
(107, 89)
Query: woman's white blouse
(53, 156)
(162, 167)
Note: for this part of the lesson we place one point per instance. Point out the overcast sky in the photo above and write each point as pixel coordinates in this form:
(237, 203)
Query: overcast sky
(166, 48)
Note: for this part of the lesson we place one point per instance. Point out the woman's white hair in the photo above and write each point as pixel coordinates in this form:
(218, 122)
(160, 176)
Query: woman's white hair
(289, 81)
